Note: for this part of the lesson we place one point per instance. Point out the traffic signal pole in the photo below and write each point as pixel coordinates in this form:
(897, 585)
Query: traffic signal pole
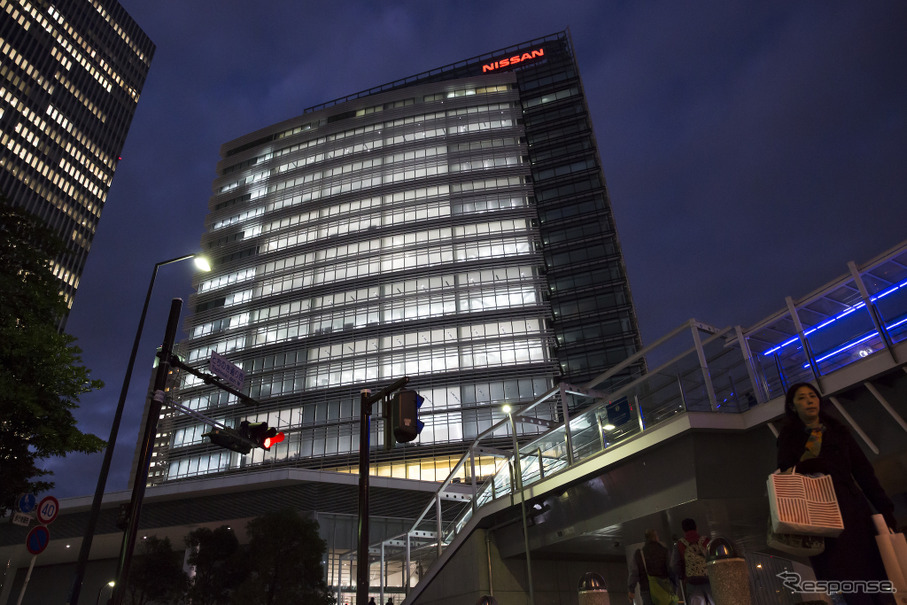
(141, 477)
(365, 412)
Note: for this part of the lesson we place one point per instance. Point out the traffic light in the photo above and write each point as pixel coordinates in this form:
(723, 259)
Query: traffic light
(404, 411)
(123, 516)
(259, 434)
(229, 439)
(249, 435)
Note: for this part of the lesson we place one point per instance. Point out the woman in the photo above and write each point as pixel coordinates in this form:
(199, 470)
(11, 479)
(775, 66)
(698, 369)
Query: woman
(814, 442)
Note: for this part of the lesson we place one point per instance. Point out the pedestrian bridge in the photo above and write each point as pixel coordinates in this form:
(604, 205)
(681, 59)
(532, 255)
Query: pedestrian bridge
(693, 436)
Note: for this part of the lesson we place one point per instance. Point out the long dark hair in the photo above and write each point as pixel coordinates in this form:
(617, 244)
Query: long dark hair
(790, 412)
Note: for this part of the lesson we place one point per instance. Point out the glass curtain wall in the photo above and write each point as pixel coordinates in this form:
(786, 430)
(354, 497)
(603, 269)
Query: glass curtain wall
(394, 235)
(72, 72)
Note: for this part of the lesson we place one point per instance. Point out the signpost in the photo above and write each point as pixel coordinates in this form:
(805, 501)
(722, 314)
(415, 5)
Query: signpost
(224, 369)
(47, 510)
(26, 503)
(21, 519)
(37, 540)
(619, 412)
(39, 536)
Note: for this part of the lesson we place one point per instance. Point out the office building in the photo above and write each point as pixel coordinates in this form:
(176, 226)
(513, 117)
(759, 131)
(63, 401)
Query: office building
(72, 72)
(453, 227)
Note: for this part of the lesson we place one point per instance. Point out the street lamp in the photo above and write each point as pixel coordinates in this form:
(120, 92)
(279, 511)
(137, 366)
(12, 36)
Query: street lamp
(110, 584)
(202, 264)
(508, 409)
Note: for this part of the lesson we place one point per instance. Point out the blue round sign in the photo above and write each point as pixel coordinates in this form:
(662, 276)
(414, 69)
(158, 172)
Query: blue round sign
(26, 503)
(37, 540)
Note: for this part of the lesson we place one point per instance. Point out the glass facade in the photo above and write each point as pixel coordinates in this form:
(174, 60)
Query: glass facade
(72, 72)
(454, 228)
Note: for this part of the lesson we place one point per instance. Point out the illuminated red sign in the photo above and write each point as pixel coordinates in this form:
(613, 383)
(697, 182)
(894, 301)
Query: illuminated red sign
(533, 54)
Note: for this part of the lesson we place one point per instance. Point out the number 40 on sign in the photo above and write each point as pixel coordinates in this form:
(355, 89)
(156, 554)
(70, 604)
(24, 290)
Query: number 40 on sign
(47, 510)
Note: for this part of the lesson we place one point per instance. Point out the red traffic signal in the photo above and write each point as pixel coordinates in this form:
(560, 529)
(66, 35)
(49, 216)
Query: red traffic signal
(270, 440)
(259, 434)
(250, 434)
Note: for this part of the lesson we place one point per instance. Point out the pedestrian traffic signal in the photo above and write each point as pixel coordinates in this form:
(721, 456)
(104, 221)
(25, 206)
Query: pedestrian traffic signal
(262, 436)
(404, 410)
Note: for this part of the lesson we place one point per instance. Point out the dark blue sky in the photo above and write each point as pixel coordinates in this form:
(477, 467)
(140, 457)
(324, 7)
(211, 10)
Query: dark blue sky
(751, 149)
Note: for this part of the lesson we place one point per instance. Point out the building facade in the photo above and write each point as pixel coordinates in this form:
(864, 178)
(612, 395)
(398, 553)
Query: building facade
(453, 227)
(72, 72)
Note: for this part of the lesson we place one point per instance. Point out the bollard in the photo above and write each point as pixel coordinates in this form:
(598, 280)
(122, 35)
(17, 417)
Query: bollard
(727, 574)
(486, 600)
(592, 590)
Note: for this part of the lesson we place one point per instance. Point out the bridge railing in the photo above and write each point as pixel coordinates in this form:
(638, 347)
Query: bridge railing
(695, 368)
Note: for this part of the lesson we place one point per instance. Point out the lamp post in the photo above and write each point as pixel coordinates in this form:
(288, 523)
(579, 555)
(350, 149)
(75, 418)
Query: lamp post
(144, 458)
(98, 599)
(203, 265)
(519, 486)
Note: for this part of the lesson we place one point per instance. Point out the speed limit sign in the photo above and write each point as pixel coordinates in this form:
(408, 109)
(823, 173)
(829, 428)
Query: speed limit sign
(47, 510)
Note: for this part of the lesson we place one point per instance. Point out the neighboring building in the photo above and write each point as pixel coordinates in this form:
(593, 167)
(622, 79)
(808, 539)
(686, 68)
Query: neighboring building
(72, 72)
(453, 227)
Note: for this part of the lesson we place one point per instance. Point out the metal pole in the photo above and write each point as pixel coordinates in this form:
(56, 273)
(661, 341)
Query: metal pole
(438, 526)
(31, 566)
(111, 443)
(408, 562)
(362, 554)
(704, 366)
(141, 478)
(365, 411)
(383, 576)
(472, 472)
(877, 320)
(519, 485)
(565, 412)
(807, 348)
(760, 392)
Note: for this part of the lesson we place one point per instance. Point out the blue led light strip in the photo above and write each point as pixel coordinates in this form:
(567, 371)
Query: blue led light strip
(844, 313)
(855, 343)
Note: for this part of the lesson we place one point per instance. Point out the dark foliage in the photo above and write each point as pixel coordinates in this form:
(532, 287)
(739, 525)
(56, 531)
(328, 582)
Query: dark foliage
(42, 376)
(218, 565)
(157, 576)
(285, 554)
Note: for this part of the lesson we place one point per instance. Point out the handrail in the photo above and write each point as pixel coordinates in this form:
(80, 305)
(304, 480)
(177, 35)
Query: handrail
(746, 380)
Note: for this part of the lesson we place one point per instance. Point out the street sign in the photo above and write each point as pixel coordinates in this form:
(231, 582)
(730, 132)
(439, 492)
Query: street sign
(22, 519)
(619, 412)
(37, 540)
(26, 503)
(48, 509)
(221, 367)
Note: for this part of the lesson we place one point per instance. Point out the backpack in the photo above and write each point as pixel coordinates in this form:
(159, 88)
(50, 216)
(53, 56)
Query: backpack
(694, 558)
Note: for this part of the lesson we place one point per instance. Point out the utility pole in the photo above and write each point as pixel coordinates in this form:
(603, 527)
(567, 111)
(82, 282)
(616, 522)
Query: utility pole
(141, 477)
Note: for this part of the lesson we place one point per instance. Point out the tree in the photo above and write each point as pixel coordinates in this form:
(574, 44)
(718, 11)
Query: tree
(285, 555)
(219, 565)
(157, 575)
(42, 375)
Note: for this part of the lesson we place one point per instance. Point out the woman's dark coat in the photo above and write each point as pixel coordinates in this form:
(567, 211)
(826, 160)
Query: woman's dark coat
(853, 555)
